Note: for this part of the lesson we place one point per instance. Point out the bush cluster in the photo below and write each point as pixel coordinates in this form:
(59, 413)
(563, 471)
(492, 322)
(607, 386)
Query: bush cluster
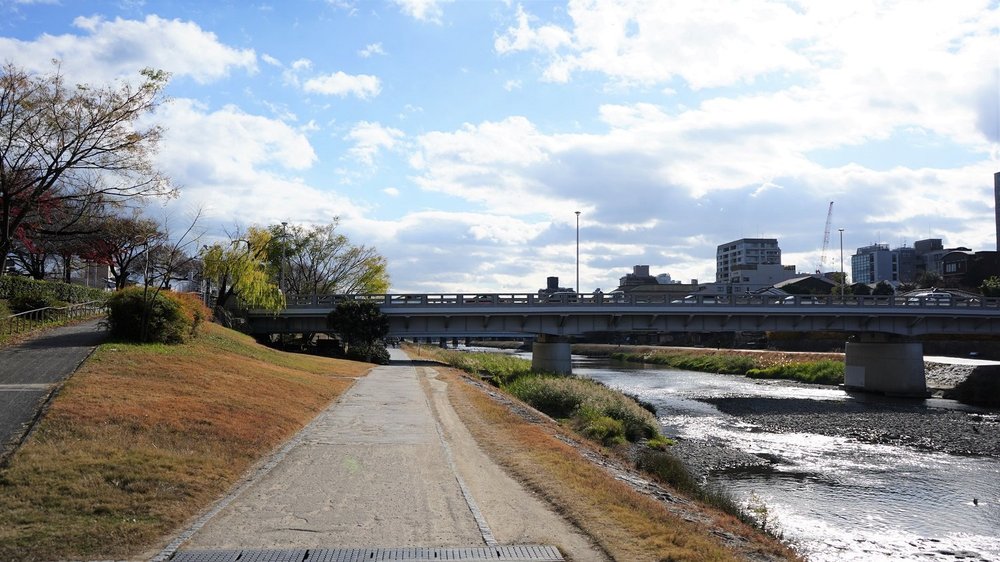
(373, 352)
(594, 409)
(23, 293)
(140, 315)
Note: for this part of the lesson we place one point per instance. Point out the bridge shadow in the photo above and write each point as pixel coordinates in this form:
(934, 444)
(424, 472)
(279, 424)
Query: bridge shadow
(414, 363)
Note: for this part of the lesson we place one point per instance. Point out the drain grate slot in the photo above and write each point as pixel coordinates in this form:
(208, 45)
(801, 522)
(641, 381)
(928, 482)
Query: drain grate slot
(520, 553)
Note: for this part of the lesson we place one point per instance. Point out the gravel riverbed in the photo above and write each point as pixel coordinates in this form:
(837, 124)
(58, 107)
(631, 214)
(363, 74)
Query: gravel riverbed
(911, 423)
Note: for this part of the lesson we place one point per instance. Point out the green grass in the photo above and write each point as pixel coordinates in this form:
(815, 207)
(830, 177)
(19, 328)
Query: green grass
(716, 363)
(816, 372)
(758, 366)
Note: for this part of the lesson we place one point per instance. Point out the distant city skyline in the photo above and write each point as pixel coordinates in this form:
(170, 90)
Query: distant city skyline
(459, 138)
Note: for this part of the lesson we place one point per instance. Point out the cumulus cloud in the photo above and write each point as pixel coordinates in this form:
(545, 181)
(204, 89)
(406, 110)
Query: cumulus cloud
(371, 50)
(242, 167)
(422, 10)
(109, 49)
(371, 138)
(362, 86)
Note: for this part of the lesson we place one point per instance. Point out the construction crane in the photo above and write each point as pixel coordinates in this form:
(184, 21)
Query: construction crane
(826, 239)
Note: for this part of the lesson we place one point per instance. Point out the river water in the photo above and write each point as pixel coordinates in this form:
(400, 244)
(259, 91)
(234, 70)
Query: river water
(832, 498)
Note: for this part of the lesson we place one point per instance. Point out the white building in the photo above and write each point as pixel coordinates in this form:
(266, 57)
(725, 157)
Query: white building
(748, 265)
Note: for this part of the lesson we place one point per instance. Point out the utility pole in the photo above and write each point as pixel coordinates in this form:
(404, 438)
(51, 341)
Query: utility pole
(843, 275)
(577, 252)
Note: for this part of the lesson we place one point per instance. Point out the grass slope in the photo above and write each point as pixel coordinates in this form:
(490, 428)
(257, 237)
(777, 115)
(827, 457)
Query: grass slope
(144, 437)
(625, 524)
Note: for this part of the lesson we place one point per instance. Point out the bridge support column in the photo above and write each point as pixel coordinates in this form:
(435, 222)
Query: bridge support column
(894, 368)
(551, 354)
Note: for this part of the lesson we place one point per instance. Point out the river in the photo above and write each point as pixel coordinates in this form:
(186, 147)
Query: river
(832, 497)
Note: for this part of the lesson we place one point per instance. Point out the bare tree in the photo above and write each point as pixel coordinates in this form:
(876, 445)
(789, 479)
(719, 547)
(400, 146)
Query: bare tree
(79, 144)
(121, 244)
(319, 260)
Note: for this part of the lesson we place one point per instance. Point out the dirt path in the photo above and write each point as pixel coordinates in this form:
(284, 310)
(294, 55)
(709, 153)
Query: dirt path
(388, 465)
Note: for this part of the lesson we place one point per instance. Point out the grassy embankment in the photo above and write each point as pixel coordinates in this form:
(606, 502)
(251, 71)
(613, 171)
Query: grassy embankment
(626, 524)
(143, 437)
(815, 368)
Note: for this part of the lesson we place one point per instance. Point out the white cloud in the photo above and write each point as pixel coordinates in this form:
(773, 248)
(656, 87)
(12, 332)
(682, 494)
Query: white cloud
(391, 191)
(270, 60)
(242, 167)
(422, 10)
(512, 85)
(106, 50)
(369, 139)
(546, 38)
(370, 50)
(340, 84)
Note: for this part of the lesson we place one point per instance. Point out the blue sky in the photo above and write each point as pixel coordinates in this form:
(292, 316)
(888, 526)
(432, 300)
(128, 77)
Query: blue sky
(458, 138)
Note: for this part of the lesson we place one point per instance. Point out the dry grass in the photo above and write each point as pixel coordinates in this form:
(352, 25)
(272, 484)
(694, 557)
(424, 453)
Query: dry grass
(625, 523)
(144, 437)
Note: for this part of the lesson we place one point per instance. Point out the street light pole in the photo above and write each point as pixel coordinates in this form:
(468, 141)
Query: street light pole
(843, 275)
(284, 254)
(578, 252)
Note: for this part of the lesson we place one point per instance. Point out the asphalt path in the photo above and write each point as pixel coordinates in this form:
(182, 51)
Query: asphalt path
(31, 371)
(389, 465)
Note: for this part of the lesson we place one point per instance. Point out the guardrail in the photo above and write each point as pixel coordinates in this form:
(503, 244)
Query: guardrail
(24, 321)
(936, 301)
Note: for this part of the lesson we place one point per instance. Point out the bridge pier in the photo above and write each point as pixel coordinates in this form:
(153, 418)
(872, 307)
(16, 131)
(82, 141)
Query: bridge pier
(885, 365)
(551, 354)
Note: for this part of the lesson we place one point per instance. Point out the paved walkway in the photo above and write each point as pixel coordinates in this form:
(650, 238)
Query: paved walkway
(388, 465)
(32, 370)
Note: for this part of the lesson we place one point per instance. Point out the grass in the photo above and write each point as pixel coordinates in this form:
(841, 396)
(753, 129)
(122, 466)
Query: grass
(625, 524)
(810, 368)
(143, 437)
(596, 411)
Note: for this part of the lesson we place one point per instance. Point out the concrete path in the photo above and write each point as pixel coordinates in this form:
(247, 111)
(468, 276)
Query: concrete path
(388, 465)
(32, 370)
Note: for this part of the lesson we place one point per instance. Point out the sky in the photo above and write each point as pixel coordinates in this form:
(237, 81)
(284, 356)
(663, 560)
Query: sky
(459, 138)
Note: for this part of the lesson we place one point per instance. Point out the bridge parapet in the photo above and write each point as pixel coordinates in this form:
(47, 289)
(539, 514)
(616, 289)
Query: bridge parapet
(935, 302)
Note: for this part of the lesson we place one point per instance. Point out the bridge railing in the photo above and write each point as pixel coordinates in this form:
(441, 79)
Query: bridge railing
(937, 301)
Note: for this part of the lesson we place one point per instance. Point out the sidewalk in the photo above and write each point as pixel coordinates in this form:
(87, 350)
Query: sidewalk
(389, 466)
(30, 371)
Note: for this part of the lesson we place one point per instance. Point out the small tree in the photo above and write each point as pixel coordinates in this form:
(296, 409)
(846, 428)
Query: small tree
(883, 288)
(362, 327)
(929, 279)
(990, 287)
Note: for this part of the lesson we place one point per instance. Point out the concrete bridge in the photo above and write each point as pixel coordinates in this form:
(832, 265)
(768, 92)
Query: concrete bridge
(887, 355)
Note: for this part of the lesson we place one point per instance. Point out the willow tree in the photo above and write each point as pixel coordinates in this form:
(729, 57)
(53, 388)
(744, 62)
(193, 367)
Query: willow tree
(240, 269)
(84, 144)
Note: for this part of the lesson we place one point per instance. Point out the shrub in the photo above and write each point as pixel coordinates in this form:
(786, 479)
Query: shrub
(374, 352)
(601, 428)
(167, 317)
(569, 397)
(33, 301)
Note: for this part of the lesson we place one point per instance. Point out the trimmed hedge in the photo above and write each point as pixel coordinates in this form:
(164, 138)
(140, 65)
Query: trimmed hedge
(15, 287)
(170, 317)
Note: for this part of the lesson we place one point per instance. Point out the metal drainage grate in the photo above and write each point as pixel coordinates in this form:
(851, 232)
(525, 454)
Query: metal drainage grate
(527, 553)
